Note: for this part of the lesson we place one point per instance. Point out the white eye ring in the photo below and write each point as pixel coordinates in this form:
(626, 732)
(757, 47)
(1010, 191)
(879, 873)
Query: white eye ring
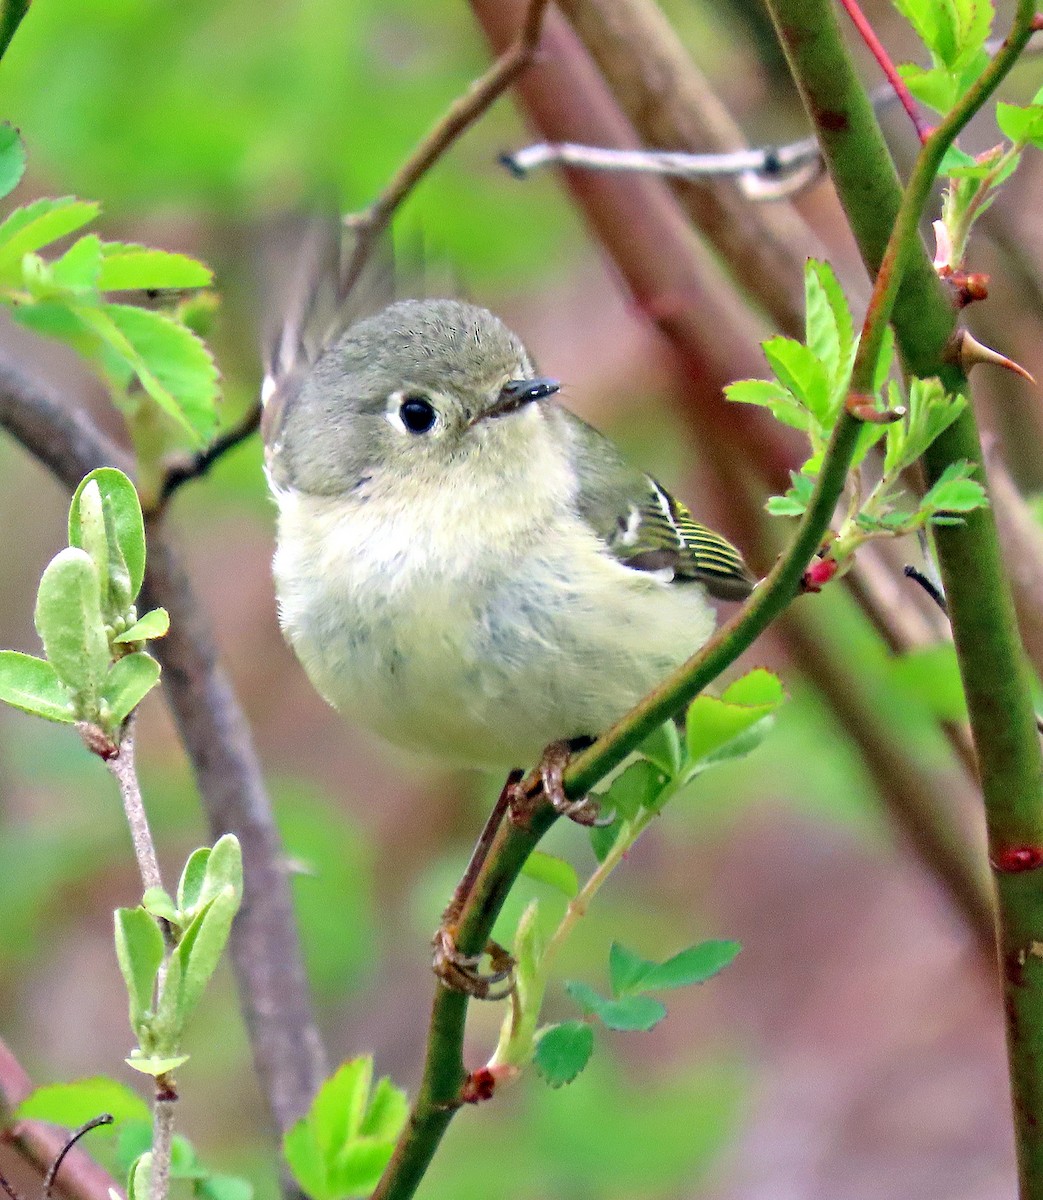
(424, 418)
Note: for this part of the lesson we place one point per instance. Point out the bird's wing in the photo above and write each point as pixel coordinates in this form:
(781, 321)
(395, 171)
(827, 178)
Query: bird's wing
(645, 527)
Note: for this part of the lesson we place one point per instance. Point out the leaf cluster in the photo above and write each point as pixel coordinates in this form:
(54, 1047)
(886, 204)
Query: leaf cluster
(342, 1145)
(717, 729)
(68, 295)
(96, 669)
(75, 1103)
(164, 990)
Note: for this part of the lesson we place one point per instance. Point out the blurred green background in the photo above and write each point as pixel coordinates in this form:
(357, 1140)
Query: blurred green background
(854, 1042)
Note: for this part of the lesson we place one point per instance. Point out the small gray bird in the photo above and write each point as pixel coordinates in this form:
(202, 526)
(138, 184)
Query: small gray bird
(463, 565)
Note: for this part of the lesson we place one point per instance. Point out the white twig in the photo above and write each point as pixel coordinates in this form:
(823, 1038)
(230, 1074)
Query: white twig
(122, 767)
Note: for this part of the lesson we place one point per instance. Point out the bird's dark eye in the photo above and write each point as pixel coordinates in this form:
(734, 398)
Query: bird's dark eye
(418, 414)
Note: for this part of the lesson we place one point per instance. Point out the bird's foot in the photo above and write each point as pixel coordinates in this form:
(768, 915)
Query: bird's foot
(546, 783)
(462, 972)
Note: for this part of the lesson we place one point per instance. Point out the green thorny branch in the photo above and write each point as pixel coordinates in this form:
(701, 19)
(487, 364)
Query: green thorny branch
(444, 1077)
(992, 663)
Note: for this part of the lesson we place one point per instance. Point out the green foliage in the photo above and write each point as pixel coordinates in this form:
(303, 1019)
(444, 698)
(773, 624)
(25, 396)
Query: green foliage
(342, 1145)
(554, 871)
(954, 31)
(74, 1104)
(198, 923)
(66, 296)
(562, 1051)
(96, 669)
(809, 393)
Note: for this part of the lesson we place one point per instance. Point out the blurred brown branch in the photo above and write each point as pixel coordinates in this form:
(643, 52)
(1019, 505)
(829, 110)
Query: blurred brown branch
(39, 1144)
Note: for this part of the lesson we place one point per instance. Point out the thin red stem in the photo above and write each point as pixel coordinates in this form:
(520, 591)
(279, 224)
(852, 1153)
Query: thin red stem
(879, 52)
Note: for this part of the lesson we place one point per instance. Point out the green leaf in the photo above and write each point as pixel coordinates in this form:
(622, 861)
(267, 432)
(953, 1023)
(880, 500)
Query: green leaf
(359, 1167)
(190, 886)
(771, 395)
(626, 970)
(77, 269)
(129, 681)
(224, 1187)
(955, 491)
(694, 965)
(755, 688)
(305, 1160)
(546, 868)
(175, 368)
(631, 1013)
(830, 329)
(662, 748)
(387, 1113)
(32, 685)
(340, 1105)
(636, 788)
(714, 723)
(139, 1178)
(796, 499)
(153, 624)
(139, 951)
(74, 1104)
(196, 958)
(805, 375)
(562, 1051)
(155, 1064)
(125, 528)
(37, 225)
(129, 267)
(12, 158)
(1021, 124)
(69, 621)
(159, 903)
(223, 871)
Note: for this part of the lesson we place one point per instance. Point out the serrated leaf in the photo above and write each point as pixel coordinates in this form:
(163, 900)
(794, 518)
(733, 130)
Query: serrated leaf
(933, 86)
(175, 368)
(387, 1112)
(340, 1104)
(806, 377)
(556, 872)
(125, 528)
(830, 329)
(562, 1051)
(12, 158)
(38, 224)
(155, 1064)
(129, 681)
(139, 951)
(77, 269)
(955, 491)
(785, 506)
(306, 1160)
(755, 688)
(628, 1014)
(74, 1104)
(127, 267)
(153, 624)
(358, 1168)
(626, 969)
(69, 621)
(714, 723)
(662, 748)
(1022, 124)
(32, 685)
(771, 395)
(694, 965)
(636, 788)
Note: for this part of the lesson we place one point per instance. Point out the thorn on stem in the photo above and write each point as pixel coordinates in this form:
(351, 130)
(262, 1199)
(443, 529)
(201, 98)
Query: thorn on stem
(863, 408)
(969, 352)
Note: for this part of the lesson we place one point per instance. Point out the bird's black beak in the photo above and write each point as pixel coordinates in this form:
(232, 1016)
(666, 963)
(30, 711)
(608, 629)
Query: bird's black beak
(518, 392)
